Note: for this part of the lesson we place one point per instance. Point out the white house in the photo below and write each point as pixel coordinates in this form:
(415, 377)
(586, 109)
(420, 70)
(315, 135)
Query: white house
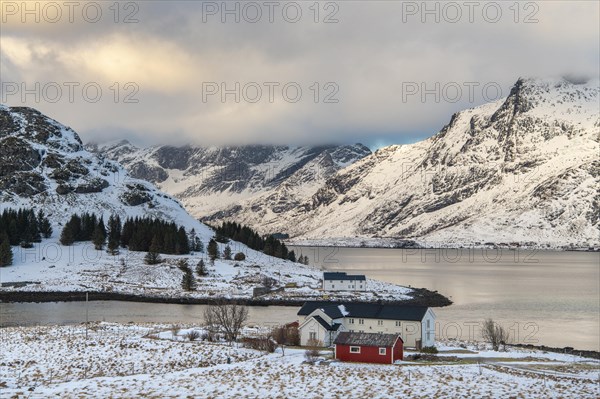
(340, 281)
(324, 320)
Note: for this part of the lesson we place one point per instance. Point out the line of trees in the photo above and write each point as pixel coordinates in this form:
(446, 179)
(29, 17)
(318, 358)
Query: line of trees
(21, 227)
(145, 234)
(268, 244)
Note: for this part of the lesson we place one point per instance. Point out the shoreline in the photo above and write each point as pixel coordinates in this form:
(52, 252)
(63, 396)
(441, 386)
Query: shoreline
(421, 297)
(407, 244)
(567, 350)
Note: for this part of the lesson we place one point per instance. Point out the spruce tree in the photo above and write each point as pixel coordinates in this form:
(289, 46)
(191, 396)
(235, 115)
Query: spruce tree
(6, 255)
(153, 257)
(113, 247)
(292, 256)
(227, 253)
(67, 236)
(44, 224)
(201, 268)
(99, 236)
(188, 282)
(213, 250)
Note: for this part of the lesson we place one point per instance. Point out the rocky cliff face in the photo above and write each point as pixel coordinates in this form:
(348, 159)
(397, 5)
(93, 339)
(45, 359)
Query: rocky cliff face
(44, 165)
(210, 180)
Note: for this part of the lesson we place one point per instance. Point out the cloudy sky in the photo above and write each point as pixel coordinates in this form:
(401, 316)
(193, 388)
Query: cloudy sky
(377, 72)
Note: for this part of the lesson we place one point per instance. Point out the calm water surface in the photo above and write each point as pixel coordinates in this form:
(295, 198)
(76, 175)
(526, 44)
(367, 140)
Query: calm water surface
(549, 298)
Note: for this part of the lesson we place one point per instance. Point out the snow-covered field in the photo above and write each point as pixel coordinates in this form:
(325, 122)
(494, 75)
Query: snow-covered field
(156, 361)
(52, 267)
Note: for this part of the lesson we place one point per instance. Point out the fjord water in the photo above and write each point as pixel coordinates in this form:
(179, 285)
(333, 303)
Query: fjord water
(542, 297)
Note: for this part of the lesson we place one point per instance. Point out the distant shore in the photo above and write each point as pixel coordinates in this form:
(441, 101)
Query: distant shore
(396, 243)
(421, 297)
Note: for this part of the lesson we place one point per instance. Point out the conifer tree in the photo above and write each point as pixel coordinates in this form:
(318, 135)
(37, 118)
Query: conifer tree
(67, 236)
(213, 250)
(153, 257)
(201, 268)
(227, 253)
(6, 255)
(99, 235)
(188, 282)
(44, 223)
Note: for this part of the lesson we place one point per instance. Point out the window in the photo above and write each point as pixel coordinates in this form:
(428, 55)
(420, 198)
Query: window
(379, 322)
(382, 351)
(361, 321)
(312, 335)
(332, 286)
(355, 349)
(398, 324)
(349, 287)
(350, 321)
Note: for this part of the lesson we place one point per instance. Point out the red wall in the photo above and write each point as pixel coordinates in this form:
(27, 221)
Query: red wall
(369, 354)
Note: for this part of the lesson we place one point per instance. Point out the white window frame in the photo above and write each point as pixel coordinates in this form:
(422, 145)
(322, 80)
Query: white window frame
(361, 321)
(382, 351)
(312, 335)
(379, 322)
(350, 321)
(398, 323)
(355, 349)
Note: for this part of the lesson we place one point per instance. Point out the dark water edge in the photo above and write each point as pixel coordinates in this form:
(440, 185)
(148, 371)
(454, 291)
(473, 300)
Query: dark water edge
(421, 297)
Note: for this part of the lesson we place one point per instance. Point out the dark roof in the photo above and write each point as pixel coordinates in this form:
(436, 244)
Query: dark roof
(366, 310)
(366, 339)
(325, 325)
(342, 276)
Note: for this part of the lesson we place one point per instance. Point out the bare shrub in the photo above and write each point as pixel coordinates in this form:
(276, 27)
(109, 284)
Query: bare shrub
(494, 334)
(226, 318)
(192, 335)
(268, 282)
(264, 343)
(286, 335)
(312, 353)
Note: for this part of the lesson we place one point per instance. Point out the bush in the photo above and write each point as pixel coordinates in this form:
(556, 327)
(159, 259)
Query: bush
(192, 335)
(312, 353)
(494, 334)
(429, 349)
(239, 256)
(264, 343)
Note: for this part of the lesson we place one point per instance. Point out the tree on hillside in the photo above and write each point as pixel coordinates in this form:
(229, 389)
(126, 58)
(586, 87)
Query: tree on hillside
(6, 255)
(67, 236)
(188, 282)
(201, 268)
(213, 250)
(227, 253)
(291, 256)
(114, 234)
(99, 235)
(153, 257)
(44, 224)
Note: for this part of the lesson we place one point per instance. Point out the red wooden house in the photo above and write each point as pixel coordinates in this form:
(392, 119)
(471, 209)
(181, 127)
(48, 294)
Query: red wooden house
(369, 347)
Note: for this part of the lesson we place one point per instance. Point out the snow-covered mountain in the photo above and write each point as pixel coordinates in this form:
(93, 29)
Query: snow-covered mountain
(522, 169)
(208, 180)
(43, 165)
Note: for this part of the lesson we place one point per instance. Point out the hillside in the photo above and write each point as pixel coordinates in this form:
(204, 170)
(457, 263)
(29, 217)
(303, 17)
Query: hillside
(208, 180)
(44, 166)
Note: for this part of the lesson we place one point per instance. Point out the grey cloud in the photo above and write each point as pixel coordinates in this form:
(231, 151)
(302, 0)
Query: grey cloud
(369, 54)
